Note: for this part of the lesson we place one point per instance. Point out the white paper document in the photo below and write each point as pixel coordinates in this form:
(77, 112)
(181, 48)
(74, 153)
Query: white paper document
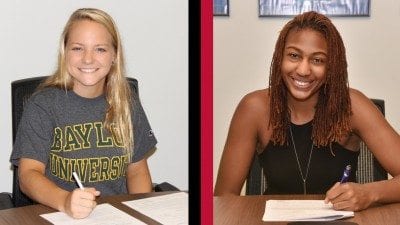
(302, 210)
(103, 214)
(170, 209)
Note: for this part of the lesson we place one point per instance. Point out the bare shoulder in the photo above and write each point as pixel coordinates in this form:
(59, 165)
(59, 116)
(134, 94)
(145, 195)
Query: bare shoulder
(256, 101)
(252, 110)
(363, 109)
(357, 94)
(358, 99)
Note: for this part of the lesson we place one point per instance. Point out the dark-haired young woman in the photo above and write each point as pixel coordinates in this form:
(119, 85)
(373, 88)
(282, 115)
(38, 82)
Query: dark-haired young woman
(308, 125)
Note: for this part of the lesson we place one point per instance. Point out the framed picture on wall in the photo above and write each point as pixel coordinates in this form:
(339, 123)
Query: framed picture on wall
(326, 7)
(221, 7)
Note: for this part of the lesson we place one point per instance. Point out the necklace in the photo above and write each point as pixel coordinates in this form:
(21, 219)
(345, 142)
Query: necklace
(304, 178)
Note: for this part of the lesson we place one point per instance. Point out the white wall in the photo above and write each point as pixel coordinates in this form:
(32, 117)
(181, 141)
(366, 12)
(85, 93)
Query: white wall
(244, 43)
(155, 40)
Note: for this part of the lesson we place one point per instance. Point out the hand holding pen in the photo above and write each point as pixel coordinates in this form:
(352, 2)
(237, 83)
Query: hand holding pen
(350, 196)
(80, 202)
(344, 179)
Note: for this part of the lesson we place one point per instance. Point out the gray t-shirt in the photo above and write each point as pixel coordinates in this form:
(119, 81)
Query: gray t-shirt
(65, 132)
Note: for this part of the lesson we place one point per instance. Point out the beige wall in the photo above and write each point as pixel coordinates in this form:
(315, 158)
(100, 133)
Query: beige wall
(243, 47)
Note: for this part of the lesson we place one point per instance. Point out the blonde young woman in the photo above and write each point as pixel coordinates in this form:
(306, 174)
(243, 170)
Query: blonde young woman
(84, 118)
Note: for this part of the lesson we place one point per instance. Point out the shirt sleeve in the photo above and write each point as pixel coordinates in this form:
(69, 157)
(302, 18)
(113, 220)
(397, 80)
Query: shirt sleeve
(33, 136)
(144, 139)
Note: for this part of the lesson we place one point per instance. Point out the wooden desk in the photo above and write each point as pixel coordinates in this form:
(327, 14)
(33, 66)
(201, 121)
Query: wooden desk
(31, 214)
(250, 210)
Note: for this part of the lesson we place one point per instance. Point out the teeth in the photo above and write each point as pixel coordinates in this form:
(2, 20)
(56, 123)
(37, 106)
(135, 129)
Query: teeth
(301, 83)
(87, 70)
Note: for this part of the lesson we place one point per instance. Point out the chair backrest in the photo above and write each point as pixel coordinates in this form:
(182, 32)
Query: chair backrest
(21, 90)
(368, 169)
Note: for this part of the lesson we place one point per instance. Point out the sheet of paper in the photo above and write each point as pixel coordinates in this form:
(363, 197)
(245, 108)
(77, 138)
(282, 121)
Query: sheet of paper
(302, 210)
(103, 214)
(169, 209)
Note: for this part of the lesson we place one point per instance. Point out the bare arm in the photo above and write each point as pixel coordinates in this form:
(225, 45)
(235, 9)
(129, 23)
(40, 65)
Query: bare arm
(33, 183)
(241, 143)
(384, 142)
(138, 177)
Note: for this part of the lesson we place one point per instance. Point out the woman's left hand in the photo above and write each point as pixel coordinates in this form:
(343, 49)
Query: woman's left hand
(349, 196)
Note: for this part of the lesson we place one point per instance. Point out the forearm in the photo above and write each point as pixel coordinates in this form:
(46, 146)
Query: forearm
(228, 182)
(138, 178)
(225, 192)
(224, 187)
(41, 189)
(387, 191)
(139, 184)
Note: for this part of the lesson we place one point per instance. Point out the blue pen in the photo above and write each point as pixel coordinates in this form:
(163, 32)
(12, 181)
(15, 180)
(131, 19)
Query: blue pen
(346, 174)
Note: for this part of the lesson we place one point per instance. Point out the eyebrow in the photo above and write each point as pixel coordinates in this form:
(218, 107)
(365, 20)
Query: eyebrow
(299, 50)
(97, 45)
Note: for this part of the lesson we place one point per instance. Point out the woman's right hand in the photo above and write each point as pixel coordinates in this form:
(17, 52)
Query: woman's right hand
(80, 203)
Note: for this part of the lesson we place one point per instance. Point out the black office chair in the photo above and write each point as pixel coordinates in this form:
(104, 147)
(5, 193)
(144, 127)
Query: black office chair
(368, 169)
(6, 200)
(21, 90)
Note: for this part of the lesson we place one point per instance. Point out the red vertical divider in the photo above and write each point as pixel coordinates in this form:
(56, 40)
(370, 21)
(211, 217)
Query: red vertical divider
(206, 115)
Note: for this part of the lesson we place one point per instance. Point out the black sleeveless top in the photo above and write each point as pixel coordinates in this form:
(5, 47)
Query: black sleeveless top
(281, 169)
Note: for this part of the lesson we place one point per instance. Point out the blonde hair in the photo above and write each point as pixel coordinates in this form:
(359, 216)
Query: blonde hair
(117, 91)
(333, 110)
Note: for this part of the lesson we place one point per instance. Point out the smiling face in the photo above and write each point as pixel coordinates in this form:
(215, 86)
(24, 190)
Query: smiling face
(304, 64)
(89, 57)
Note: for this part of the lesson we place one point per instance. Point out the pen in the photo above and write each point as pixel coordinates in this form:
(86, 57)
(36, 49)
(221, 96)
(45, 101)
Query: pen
(346, 174)
(77, 180)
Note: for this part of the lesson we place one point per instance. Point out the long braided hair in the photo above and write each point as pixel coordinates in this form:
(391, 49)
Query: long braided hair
(333, 110)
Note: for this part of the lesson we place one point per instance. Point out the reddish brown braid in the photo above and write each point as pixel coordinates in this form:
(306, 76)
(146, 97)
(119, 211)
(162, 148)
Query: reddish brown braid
(333, 110)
